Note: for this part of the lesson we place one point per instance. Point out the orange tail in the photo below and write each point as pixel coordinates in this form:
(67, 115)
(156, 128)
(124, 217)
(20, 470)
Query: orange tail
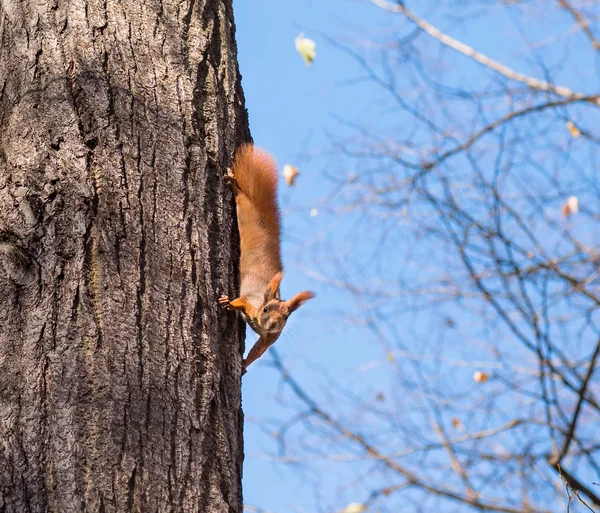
(255, 191)
(255, 172)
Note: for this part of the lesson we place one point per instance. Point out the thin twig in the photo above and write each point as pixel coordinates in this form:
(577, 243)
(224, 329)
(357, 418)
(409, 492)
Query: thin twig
(570, 489)
(577, 486)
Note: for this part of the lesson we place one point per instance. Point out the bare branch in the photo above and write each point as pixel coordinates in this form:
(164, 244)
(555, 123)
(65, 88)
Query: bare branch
(582, 393)
(533, 83)
(493, 126)
(584, 25)
(369, 448)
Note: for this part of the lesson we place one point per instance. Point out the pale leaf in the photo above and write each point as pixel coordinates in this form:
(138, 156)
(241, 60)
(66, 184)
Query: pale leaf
(289, 174)
(306, 48)
(354, 507)
(480, 376)
(572, 128)
(573, 203)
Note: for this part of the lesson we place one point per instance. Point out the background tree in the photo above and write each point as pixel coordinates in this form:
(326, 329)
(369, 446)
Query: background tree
(119, 377)
(463, 228)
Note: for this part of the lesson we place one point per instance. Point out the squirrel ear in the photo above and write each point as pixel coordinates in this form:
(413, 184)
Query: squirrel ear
(272, 291)
(299, 299)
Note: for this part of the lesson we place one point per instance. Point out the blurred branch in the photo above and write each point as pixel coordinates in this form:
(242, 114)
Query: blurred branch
(582, 392)
(584, 25)
(455, 464)
(533, 83)
(370, 449)
(492, 126)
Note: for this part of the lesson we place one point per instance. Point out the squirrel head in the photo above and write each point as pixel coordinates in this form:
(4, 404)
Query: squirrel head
(275, 311)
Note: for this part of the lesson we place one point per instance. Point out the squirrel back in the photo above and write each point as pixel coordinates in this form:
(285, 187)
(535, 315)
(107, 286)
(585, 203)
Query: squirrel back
(255, 174)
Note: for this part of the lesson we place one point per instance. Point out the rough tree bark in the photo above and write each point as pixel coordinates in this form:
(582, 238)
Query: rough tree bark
(119, 376)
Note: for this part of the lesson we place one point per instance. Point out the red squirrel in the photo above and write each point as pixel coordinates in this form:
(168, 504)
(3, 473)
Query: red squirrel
(254, 183)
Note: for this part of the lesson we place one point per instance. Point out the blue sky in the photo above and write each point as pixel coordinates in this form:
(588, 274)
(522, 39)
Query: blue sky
(290, 106)
(297, 113)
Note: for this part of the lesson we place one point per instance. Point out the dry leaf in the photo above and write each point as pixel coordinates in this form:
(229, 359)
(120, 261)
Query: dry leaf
(306, 48)
(456, 423)
(571, 127)
(289, 174)
(571, 206)
(390, 357)
(379, 397)
(480, 376)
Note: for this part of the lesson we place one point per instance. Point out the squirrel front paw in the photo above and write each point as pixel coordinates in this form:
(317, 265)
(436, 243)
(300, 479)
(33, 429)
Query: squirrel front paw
(224, 302)
(229, 176)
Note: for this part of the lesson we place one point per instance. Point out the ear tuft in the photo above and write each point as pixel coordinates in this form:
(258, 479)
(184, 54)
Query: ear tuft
(272, 291)
(299, 299)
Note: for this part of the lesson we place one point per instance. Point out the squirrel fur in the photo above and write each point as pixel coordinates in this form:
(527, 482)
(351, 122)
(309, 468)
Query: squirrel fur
(254, 182)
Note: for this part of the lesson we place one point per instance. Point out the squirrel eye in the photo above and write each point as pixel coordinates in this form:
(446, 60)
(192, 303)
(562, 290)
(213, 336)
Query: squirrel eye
(265, 309)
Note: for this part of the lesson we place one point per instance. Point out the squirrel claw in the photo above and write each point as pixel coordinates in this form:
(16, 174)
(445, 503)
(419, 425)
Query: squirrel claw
(224, 301)
(230, 178)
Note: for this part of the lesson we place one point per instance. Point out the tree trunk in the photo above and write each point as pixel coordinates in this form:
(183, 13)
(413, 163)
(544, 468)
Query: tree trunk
(119, 376)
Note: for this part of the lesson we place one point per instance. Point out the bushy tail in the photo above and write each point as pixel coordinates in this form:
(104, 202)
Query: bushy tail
(255, 172)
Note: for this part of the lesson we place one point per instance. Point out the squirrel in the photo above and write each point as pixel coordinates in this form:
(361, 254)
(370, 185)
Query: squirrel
(254, 182)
